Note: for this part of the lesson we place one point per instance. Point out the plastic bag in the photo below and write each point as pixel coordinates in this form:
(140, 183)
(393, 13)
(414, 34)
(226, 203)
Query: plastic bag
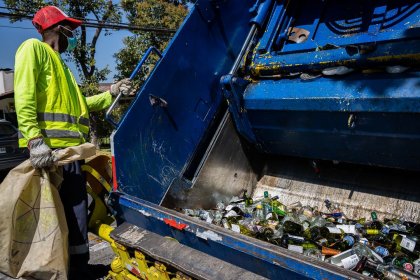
(33, 229)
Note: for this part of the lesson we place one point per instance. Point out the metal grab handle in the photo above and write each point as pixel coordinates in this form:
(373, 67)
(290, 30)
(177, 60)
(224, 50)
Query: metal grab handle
(133, 74)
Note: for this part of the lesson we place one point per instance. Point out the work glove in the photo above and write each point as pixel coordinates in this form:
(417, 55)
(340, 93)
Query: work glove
(40, 154)
(123, 86)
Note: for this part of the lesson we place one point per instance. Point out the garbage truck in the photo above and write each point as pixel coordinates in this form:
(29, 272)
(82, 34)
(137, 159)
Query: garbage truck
(307, 100)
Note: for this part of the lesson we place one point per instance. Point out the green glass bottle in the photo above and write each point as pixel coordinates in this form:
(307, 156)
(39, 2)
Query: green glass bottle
(413, 228)
(246, 231)
(334, 233)
(316, 233)
(368, 232)
(293, 242)
(375, 224)
(345, 243)
(309, 245)
(265, 233)
(234, 219)
(266, 203)
(244, 226)
(361, 221)
(278, 208)
(409, 245)
(292, 228)
(248, 200)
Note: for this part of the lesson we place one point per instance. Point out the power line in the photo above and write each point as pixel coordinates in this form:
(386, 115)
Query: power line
(97, 24)
(16, 27)
(28, 12)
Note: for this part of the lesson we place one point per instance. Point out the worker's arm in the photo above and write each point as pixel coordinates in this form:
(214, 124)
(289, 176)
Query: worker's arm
(27, 69)
(99, 101)
(104, 100)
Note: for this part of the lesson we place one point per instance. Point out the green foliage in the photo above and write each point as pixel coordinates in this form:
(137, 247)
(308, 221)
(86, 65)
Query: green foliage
(150, 13)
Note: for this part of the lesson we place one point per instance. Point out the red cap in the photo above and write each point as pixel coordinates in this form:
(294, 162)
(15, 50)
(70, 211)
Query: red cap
(50, 15)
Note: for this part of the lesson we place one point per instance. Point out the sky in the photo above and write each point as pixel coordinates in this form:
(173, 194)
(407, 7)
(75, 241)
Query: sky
(13, 34)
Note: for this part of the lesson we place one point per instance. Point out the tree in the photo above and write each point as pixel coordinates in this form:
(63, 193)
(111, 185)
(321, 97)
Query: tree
(104, 11)
(162, 14)
(152, 13)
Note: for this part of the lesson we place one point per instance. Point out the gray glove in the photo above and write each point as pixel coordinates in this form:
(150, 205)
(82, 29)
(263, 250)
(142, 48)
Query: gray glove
(123, 86)
(40, 154)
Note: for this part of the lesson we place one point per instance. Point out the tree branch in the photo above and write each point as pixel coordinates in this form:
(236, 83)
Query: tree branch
(98, 31)
(93, 48)
(82, 58)
(96, 15)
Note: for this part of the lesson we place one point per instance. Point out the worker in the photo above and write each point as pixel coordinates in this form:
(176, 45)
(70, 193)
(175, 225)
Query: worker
(52, 113)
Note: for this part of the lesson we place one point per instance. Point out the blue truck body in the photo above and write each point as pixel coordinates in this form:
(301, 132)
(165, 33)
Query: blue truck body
(279, 103)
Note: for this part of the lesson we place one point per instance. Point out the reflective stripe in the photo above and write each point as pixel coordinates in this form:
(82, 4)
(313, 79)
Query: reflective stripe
(79, 249)
(59, 117)
(84, 121)
(57, 133)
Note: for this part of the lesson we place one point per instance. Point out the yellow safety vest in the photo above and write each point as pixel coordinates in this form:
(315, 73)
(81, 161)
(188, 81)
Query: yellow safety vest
(48, 100)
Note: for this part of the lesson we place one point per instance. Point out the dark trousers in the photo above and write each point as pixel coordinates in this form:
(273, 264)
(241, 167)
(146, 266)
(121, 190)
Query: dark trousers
(74, 197)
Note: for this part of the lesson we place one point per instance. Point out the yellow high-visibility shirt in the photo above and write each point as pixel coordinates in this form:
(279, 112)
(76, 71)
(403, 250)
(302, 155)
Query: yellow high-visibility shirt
(48, 100)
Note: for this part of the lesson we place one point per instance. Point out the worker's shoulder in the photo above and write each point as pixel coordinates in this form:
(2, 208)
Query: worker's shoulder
(31, 44)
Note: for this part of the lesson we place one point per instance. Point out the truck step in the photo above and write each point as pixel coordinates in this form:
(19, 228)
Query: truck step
(169, 251)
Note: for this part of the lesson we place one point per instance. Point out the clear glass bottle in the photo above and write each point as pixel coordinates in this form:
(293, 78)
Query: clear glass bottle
(313, 253)
(259, 213)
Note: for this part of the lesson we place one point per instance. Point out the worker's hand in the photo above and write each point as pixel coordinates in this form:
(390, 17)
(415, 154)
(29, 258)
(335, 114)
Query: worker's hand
(123, 86)
(40, 154)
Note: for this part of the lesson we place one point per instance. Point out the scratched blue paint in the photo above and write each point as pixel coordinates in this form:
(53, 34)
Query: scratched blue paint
(389, 27)
(310, 118)
(357, 118)
(254, 255)
(351, 93)
(153, 145)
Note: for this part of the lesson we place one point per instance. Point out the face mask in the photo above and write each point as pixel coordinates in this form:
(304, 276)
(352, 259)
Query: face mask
(71, 43)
